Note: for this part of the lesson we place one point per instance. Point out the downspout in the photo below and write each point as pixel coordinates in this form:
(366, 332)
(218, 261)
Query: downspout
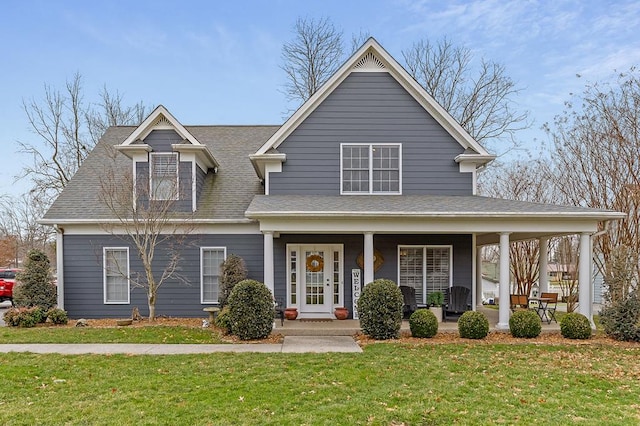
(60, 264)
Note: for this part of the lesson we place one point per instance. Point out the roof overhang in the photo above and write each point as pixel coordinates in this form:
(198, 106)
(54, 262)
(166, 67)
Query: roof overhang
(262, 162)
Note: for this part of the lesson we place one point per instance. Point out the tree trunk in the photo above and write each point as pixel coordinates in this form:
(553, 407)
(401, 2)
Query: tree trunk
(152, 307)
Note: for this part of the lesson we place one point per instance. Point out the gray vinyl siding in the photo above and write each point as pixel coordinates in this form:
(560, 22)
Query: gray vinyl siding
(387, 245)
(370, 108)
(83, 274)
(161, 140)
(200, 177)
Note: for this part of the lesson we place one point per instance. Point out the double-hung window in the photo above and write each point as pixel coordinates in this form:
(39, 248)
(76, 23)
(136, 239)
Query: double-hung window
(425, 268)
(371, 168)
(211, 259)
(164, 176)
(116, 275)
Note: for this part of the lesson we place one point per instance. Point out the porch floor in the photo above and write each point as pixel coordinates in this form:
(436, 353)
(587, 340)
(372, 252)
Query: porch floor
(352, 327)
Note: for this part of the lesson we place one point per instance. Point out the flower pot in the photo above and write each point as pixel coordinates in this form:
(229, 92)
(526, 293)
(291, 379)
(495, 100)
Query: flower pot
(341, 313)
(437, 311)
(291, 313)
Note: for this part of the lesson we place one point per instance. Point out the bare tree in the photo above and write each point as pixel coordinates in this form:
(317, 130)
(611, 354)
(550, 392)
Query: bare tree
(566, 251)
(149, 223)
(67, 128)
(18, 224)
(482, 102)
(595, 161)
(311, 57)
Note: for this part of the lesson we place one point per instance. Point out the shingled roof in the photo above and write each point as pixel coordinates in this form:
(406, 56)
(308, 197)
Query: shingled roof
(236, 178)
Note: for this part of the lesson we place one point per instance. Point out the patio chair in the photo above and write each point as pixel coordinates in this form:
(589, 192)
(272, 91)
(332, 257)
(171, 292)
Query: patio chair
(409, 304)
(550, 307)
(518, 301)
(456, 301)
(278, 306)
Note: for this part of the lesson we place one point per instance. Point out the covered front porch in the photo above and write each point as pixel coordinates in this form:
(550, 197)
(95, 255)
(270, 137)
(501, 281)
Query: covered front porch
(351, 327)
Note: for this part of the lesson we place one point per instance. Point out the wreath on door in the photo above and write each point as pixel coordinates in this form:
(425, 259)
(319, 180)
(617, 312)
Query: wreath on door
(315, 263)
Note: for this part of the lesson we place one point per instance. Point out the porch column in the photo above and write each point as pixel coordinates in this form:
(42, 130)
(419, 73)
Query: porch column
(268, 261)
(479, 294)
(544, 264)
(505, 283)
(584, 278)
(368, 257)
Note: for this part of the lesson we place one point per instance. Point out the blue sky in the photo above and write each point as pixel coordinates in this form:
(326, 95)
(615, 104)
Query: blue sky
(217, 62)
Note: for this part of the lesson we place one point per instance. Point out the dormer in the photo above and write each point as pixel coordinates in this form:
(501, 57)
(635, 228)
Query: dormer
(169, 163)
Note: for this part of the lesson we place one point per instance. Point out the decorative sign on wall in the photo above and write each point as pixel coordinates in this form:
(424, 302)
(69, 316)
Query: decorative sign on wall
(356, 288)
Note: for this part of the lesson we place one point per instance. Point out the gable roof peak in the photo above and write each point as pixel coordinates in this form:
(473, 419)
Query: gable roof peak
(159, 119)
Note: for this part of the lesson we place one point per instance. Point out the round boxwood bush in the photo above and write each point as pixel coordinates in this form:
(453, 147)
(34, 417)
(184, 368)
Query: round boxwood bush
(525, 323)
(473, 325)
(621, 320)
(250, 310)
(380, 309)
(423, 323)
(575, 326)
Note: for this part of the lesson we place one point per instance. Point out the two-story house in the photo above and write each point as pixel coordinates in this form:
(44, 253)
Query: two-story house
(370, 178)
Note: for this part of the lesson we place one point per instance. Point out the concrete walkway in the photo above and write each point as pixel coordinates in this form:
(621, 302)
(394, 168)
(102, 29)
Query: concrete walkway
(290, 344)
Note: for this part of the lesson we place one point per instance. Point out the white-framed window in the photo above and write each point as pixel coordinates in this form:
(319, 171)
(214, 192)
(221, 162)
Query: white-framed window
(371, 168)
(116, 275)
(211, 259)
(425, 268)
(163, 179)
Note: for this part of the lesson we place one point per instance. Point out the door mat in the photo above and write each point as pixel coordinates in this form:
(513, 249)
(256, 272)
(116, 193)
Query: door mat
(316, 320)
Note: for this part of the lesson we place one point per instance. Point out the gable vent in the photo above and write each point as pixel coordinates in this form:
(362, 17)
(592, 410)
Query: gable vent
(162, 121)
(369, 62)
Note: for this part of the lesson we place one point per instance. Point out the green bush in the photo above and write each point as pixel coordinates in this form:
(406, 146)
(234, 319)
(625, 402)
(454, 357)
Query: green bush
(23, 317)
(380, 309)
(435, 298)
(575, 326)
(251, 310)
(232, 271)
(525, 323)
(223, 320)
(621, 320)
(34, 285)
(423, 323)
(57, 316)
(473, 325)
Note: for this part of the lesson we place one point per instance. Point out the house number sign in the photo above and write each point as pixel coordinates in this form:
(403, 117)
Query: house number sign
(356, 288)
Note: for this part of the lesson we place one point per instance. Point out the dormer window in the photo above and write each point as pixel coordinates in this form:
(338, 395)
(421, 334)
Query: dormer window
(370, 168)
(163, 176)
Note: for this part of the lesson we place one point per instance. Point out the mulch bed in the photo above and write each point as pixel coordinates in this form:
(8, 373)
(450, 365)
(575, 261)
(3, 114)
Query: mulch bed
(405, 338)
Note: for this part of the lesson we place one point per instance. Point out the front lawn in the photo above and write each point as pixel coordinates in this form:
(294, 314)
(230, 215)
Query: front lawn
(388, 384)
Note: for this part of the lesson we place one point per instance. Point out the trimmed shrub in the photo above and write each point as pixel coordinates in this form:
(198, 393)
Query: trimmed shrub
(251, 310)
(380, 309)
(473, 325)
(575, 326)
(232, 271)
(423, 323)
(57, 316)
(34, 285)
(23, 317)
(223, 320)
(621, 320)
(525, 323)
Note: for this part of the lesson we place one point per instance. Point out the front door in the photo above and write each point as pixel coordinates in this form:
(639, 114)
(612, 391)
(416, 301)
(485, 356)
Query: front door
(315, 281)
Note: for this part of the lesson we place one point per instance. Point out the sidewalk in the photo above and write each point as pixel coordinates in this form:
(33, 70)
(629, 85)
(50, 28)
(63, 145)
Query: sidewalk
(291, 344)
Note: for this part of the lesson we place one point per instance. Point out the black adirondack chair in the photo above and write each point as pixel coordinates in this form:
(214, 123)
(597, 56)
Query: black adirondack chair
(456, 301)
(409, 304)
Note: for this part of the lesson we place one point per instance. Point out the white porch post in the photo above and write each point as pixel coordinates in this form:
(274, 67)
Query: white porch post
(368, 257)
(505, 283)
(584, 278)
(478, 276)
(268, 261)
(544, 264)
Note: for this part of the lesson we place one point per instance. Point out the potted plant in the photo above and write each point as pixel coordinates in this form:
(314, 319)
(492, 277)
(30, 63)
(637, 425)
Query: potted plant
(435, 300)
(291, 313)
(341, 313)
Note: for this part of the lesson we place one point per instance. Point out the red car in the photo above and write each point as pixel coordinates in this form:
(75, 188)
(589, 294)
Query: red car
(7, 280)
(6, 291)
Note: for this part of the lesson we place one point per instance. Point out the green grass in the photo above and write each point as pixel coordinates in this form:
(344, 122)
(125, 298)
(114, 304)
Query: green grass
(150, 334)
(388, 384)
